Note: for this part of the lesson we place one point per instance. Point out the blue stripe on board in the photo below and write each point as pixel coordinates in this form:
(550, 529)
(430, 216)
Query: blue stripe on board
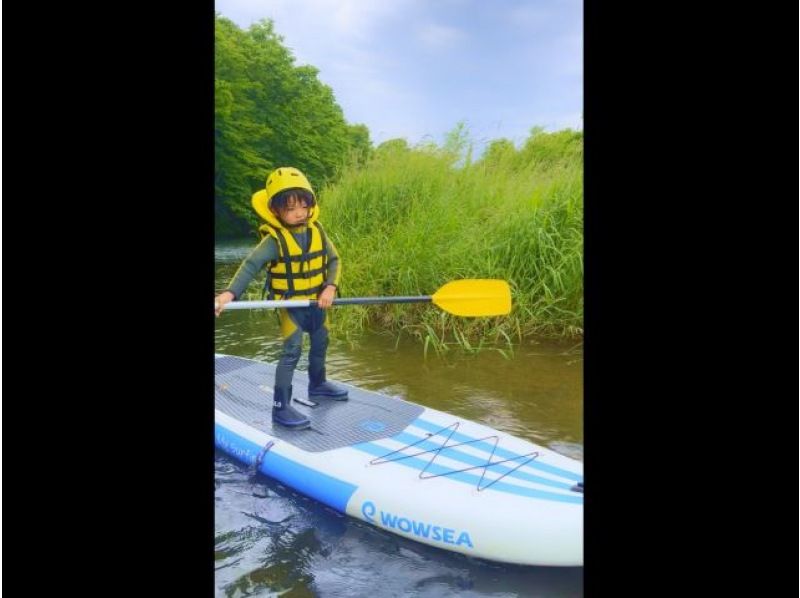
(457, 455)
(500, 451)
(333, 492)
(468, 478)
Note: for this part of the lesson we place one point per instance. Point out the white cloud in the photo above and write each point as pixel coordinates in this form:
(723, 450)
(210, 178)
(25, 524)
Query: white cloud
(357, 19)
(439, 36)
(368, 52)
(345, 20)
(568, 54)
(528, 16)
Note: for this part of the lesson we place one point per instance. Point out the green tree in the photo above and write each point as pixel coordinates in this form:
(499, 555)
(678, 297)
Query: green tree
(269, 113)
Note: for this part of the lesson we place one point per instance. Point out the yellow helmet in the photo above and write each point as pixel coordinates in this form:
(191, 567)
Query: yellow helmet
(284, 178)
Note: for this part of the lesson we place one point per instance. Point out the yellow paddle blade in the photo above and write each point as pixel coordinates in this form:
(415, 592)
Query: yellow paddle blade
(474, 297)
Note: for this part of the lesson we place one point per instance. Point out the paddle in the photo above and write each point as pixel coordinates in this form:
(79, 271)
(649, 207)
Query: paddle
(468, 297)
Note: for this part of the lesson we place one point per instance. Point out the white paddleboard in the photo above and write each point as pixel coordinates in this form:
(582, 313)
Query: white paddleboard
(421, 473)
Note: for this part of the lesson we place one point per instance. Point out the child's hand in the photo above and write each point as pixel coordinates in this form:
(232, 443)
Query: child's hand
(325, 299)
(221, 300)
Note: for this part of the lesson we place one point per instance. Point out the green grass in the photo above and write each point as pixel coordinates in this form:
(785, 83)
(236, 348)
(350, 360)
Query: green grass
(412, 219)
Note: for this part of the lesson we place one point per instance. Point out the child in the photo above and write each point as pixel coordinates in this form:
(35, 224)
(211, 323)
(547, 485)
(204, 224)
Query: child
(302, 264)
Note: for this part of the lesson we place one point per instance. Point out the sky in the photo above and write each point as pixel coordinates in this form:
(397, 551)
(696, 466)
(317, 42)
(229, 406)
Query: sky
(415, 68)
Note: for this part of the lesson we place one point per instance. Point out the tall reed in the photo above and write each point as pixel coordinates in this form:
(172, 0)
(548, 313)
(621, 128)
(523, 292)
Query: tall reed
(411, 219)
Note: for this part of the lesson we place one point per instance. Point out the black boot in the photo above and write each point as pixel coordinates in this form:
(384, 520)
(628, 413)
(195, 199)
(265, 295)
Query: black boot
(286, 415)
(319, 387)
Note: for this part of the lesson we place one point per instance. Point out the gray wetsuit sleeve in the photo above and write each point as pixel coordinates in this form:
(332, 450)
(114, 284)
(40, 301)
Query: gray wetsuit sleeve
(334, 264)
(264, 252)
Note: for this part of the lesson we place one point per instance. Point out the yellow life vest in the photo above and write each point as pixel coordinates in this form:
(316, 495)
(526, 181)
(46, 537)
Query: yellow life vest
(299, 272)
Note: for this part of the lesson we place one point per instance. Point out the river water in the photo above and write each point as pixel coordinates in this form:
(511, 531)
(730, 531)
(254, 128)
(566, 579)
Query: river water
(273, 541)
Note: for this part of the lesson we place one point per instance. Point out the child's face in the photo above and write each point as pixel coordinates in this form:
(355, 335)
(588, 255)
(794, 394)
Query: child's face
(295, 212)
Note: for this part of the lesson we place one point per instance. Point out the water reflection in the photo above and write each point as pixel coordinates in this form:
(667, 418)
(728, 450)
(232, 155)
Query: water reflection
(270, 539)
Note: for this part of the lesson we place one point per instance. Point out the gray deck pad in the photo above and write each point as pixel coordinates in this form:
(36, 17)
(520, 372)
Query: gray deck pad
(243, 389)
